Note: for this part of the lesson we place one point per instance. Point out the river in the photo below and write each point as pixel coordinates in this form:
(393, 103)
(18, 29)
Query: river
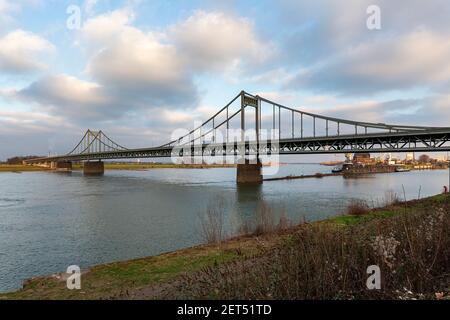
(49, 221)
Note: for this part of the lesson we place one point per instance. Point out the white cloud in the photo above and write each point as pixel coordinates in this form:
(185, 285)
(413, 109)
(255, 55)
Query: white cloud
(320, 99)
(103, 29)
(421, 56)
(157, 68)
(10, 8)
(67, 97)
(214, 40)
(416, 59)
(146, 75)
(20, 51)
(134, 64)
(138, 64)
(333, 51)
(6, 9)
(433, 110)
(26, 120)
(176, 117)
(285, 98)
(89, 6)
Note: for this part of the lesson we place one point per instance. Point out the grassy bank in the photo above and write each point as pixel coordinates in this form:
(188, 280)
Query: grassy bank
(306, 176)
(149, 166)
(117, 166)
(19, 168)
(145, 166)
(328, 259)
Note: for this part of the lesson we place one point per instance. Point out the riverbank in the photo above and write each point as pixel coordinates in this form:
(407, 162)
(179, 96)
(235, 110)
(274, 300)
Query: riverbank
(236, 267)
(361, 169)
(305, 176)
(20, 168)
(146, 166)
(117, 166)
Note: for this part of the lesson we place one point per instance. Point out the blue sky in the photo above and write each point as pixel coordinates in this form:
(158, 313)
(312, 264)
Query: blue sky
(141, 69)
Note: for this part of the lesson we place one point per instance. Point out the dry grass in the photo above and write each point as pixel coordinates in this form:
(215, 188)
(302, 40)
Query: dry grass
(357, 207)
(20, 168)
(322, 260)
(266, 220)
(212, 223)
(391, 198)
(325, 261)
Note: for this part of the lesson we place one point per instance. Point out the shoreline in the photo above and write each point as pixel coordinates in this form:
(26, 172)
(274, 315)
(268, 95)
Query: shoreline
(306, 176)
(149, 166)
(144, 277)
(114, 166)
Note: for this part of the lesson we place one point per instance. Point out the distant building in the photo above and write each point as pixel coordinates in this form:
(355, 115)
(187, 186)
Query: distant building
(379, 159)
(362, 158)
(348, 157)
(391, 161)
(410, 156)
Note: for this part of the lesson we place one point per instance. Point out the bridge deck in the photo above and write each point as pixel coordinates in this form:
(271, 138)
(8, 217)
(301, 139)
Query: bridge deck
(392, 138)
(424, 140)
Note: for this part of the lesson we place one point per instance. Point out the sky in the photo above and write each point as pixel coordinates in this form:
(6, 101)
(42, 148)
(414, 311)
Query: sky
(139, 70)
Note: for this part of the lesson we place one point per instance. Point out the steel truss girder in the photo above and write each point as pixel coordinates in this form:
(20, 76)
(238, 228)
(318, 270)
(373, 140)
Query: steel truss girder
(95, 145)
(398, 142)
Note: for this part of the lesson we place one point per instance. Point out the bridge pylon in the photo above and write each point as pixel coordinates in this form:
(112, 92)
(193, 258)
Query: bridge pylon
(250, 171)
(293, 132)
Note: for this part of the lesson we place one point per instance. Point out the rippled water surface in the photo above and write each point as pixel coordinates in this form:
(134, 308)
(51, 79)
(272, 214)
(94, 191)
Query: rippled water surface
(49, 221)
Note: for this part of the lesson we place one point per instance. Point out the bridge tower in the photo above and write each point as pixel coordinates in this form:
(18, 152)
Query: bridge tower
(92, 145)
(316, 134)
(249, 170)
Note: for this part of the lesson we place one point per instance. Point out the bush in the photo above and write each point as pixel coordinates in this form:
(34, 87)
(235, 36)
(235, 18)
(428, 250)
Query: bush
(265, 221)
(390, 198)
(324, 261)
(357, 207)
(212, 223)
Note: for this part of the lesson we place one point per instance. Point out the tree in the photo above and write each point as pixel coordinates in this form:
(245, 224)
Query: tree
(18, 160)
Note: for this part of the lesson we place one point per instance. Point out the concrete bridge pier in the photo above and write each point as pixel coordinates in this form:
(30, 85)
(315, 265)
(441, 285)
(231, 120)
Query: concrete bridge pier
(93, 168)
(249, 173)
(61, 165)
(44, 164)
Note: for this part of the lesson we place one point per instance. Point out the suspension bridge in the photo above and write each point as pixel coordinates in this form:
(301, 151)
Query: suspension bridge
(250, 126)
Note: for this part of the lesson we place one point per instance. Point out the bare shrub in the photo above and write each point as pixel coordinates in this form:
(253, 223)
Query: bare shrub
(284, 223)
(212, 223)
(390, 198)
(264, 221)
(357, 207)
(247, 227)
(324, 261)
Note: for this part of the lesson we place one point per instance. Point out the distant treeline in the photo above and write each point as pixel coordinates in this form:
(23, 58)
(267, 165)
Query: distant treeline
(18, 160)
